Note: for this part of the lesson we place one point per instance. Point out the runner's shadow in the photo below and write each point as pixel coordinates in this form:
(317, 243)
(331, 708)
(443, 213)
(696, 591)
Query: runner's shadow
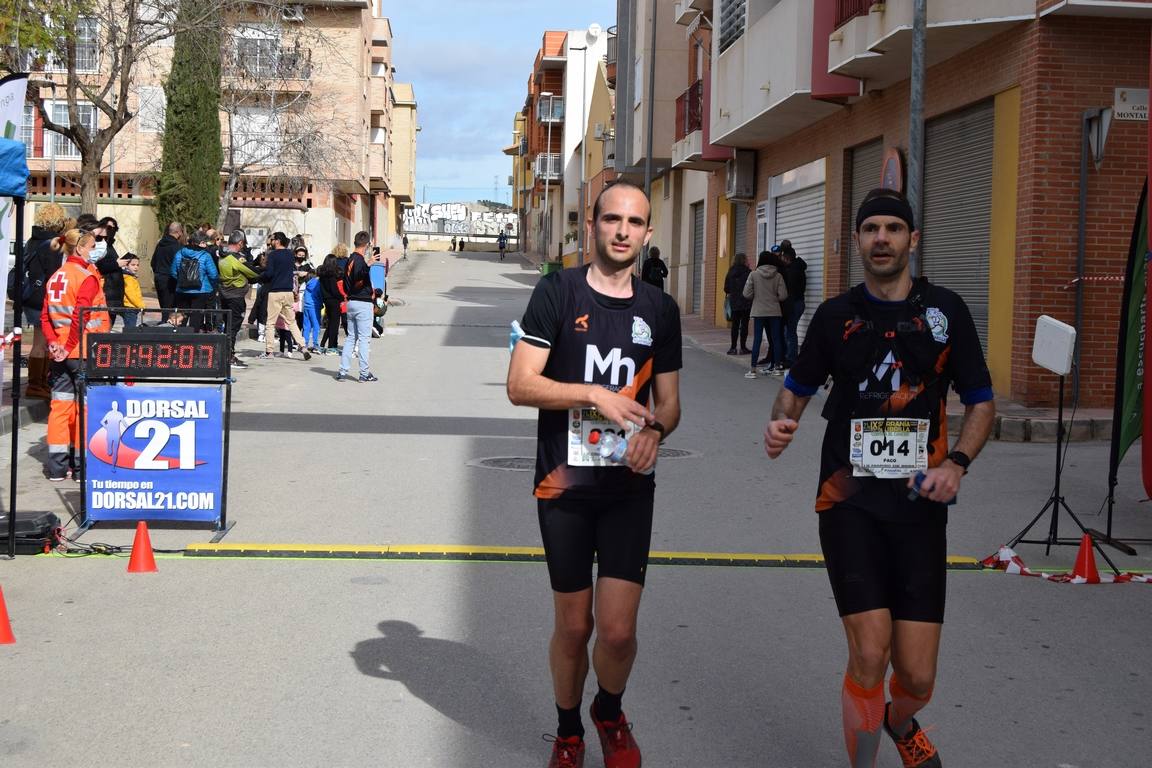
(472, 688)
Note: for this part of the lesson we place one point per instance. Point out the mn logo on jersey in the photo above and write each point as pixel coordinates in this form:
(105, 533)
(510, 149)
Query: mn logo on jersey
(614, 363)
(641, 333)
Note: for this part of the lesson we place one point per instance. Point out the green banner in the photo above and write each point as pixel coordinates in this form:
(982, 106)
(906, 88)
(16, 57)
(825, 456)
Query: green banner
(1130, 381)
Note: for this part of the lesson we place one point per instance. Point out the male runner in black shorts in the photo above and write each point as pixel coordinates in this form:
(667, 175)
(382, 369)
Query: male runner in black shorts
(599, 347)
(892, 346)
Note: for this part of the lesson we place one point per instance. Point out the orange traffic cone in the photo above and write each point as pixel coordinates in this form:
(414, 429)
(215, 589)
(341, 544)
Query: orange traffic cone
(1085, 567)
(142, 560)
(6, 636)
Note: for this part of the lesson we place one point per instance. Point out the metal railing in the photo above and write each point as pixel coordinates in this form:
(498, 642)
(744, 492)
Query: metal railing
(846, 10)
(548, 166)
(270, 63)
(690, 110)
(550, 109)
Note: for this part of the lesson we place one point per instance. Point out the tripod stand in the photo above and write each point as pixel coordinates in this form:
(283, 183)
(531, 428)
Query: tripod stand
(1056, 501)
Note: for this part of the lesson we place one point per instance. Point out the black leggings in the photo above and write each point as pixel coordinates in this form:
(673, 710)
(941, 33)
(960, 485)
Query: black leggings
(740, 328)
(331, 338)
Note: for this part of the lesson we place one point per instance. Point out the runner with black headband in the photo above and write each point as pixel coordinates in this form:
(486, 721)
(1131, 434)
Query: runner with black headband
(893, 346)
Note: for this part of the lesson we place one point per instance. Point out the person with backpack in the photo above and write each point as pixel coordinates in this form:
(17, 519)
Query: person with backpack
(332, 294)
(196, 278)
(502, 243)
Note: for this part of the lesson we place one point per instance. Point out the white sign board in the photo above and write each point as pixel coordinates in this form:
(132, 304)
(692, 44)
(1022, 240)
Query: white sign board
(1130, 104)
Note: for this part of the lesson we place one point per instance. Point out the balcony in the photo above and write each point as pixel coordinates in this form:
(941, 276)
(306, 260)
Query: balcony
(610, 58)
(846, 10)
(549, 167)
(690, 110)
(268, 68)
(550, 110)
(875, 43)
(684, 13)
(762, 84)
(378, 94)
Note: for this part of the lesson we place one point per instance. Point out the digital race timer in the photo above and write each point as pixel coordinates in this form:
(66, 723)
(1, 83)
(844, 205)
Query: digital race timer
(152, 355)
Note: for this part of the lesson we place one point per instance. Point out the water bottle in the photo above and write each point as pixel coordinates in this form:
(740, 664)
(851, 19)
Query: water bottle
(614, 447)
(514, 335)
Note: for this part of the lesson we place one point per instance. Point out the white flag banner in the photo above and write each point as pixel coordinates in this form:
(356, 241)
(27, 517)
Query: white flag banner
(12, 91)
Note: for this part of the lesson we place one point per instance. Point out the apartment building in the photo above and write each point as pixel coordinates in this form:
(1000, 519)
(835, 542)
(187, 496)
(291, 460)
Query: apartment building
(813, 99)
(314, 75)
(555, 121)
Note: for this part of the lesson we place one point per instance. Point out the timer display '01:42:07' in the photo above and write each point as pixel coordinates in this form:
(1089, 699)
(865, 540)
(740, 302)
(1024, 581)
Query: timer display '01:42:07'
(123, 354)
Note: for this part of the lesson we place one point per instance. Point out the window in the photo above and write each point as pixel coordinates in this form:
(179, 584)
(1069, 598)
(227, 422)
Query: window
(87, 48)
(256, 136)
(732, 13)
(62, 146)
(379, 135)
(151, 109)
(379, 69)
(28, 130)
(550, 109)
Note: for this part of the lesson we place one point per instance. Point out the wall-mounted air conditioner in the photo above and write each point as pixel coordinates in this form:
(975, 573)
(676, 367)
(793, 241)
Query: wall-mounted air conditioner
(741, 184)
(598, 131)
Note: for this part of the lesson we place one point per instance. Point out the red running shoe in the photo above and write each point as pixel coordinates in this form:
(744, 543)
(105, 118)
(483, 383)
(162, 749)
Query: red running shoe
(620, 749)
(566, 753)
(916, 751)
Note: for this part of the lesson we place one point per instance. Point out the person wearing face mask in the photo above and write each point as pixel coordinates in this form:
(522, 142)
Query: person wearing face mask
(74, 287)
(108, 262)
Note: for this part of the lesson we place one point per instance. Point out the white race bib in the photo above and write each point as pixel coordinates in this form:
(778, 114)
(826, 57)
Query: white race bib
(888, 448)
(582, 422)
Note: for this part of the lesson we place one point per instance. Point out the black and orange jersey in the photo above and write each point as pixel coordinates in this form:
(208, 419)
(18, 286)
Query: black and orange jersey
(620, 344)
(888, 360)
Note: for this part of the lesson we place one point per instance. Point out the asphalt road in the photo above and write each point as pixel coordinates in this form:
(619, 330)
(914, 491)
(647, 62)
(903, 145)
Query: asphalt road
(261, 662)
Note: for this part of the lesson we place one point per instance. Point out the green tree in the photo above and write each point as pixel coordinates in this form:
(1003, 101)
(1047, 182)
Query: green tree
(189, 185)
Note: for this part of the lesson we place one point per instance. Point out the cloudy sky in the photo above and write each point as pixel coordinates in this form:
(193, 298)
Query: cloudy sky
(469, 61)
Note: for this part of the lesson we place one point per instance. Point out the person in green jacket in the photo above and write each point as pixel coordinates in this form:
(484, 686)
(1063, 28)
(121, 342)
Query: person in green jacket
(235, 279)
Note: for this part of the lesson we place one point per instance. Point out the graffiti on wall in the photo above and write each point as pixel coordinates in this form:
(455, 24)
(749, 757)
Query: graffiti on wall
(468, 219)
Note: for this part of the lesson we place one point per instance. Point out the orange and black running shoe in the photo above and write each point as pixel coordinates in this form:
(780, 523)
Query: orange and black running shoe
(620, 749)
(916, 751)
(567, 752)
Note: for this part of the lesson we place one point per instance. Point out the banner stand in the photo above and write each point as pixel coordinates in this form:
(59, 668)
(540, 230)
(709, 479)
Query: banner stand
(160, 449)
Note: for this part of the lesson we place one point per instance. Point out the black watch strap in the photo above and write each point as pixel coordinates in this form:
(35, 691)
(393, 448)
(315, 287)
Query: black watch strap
(960, 459)
(659, 428)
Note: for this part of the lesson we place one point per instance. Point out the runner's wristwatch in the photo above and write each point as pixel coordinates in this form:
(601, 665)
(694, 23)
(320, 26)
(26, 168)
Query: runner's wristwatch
(659, 428)
(960, 459)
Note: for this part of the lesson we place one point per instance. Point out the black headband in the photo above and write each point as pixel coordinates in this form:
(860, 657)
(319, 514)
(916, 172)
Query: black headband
(885, 206)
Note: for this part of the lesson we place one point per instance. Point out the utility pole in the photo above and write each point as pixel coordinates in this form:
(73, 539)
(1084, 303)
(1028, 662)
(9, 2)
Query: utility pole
(916, 122)
(547, 173)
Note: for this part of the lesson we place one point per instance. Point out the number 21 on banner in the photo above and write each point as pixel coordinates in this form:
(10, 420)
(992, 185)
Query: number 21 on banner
(159, 434)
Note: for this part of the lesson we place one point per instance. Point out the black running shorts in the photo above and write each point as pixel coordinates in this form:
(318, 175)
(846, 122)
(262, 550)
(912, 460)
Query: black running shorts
(617, 533)
(875, 564)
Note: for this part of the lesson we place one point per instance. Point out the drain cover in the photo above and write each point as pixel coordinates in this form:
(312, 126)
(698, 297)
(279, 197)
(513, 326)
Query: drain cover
(528, 464)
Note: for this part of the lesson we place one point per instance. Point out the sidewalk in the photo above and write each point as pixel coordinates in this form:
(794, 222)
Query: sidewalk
(1015, 423)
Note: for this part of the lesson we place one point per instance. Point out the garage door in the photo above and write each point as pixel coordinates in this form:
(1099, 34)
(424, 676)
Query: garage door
(800, 218)
(958, 206)
(865, 168)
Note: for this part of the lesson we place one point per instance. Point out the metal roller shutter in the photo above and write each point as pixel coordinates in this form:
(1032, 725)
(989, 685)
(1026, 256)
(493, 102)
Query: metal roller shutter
(800, 218)
(866, 162)
(697, 256)
(958, 206)
(740, 225)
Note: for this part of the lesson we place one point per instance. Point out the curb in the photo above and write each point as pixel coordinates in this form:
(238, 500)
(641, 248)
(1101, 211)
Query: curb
(32, 410)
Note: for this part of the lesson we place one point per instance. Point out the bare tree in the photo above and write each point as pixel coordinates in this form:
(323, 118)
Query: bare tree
(274, 126)
(97, 47)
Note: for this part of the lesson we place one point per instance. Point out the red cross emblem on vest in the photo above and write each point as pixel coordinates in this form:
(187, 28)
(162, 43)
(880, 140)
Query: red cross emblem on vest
(56, 287)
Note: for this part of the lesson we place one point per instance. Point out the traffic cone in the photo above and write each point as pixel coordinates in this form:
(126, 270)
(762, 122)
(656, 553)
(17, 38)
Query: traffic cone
(1085, 567)
(142, 560)
(6, 636)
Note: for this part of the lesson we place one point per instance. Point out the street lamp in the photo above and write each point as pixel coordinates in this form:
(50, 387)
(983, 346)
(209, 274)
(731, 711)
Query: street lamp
(547, 172)
(583, 149)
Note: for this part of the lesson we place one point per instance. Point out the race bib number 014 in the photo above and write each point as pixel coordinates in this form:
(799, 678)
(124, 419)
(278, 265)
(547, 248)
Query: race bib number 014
(582, 422)
(888, 448)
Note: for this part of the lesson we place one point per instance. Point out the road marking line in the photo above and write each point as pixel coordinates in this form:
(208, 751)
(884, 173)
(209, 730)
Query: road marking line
(514, 554)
